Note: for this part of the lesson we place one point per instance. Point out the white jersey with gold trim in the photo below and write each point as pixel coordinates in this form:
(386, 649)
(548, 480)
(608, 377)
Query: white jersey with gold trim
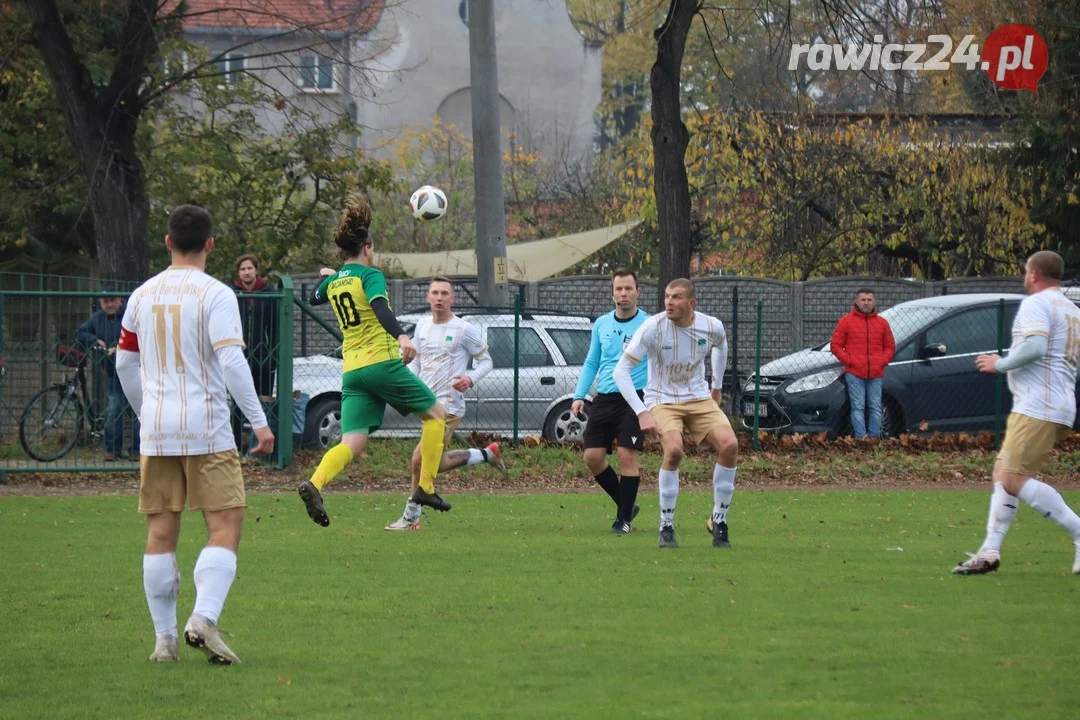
(677, 357)
(180, 317)
(1046, 389)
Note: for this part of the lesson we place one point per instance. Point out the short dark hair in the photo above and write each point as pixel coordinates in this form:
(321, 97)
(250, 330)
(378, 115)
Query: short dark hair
(684, 284)
(623, 272)
(865, 291)
(442, 278)
(190, 227)
(1048, 264)
(245, 258)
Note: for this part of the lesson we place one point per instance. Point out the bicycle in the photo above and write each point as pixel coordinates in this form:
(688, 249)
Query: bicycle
(52, 422)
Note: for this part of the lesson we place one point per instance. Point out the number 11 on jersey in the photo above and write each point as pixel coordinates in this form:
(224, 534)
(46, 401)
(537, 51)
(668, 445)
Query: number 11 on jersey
(160, 334)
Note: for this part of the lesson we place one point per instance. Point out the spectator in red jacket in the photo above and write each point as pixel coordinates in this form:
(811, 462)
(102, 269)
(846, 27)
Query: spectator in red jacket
(863, 342)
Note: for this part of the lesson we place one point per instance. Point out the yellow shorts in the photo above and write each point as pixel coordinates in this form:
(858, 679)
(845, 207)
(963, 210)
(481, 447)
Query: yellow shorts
(206, 482)
(695, 419)
(1029, 444)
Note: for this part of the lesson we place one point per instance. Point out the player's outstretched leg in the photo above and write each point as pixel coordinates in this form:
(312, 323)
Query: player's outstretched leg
(332, 463)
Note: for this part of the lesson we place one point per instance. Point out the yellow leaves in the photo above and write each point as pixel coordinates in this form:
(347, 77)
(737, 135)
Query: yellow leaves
(1072, 199)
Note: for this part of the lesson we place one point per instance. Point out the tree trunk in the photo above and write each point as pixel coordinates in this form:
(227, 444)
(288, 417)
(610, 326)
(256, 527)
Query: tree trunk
(670, 139)
(101, 125)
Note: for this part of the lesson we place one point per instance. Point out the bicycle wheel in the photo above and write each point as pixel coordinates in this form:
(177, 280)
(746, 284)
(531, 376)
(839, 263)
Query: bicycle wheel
(51, 424)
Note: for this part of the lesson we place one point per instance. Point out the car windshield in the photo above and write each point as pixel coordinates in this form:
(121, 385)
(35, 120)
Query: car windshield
(906, 320)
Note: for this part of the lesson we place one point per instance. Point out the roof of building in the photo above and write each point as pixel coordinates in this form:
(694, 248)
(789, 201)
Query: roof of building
(263, 15)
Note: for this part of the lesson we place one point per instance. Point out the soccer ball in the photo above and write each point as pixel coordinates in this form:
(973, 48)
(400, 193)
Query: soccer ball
(428, 203)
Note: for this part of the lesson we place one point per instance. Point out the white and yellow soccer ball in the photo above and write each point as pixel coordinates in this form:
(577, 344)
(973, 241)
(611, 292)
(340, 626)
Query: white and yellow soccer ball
(428, 203)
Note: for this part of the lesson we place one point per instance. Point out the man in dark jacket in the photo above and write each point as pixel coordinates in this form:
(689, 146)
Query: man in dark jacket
(863, 342)
(102, 328)
(259, 319)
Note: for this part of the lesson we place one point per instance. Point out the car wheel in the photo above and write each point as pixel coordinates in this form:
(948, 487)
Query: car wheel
(563, 426)
(322, 426)
(892, 419)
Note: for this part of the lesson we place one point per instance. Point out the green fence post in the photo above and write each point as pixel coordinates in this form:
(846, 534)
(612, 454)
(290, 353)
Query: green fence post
(285, 374)
(999, 381)
(517, 361)
(757, 374)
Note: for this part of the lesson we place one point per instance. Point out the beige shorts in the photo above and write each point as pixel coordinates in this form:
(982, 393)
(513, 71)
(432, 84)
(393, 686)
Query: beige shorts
(452, 422)
(206, 482)
(695, 419)
(1029, 444)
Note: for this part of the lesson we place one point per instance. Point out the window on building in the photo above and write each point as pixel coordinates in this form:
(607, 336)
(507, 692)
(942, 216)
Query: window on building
(316, 72)
(231, 67)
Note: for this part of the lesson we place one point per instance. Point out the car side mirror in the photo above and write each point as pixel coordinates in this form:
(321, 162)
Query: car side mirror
(932, 350)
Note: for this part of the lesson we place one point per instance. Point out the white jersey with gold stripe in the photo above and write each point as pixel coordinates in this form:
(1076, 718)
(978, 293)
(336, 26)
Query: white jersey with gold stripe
(1046, 389)
(180, 317)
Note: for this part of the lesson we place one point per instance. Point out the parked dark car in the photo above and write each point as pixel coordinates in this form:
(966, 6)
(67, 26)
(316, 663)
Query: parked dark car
(931, 384)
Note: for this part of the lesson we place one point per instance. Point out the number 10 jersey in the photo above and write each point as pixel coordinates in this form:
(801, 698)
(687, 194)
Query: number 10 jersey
(350, 291)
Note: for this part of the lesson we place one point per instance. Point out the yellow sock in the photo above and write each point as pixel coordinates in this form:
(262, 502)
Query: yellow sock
(431, 447)
(333, 462)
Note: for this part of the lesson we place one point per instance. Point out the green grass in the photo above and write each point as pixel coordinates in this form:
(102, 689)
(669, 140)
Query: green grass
(525, 606)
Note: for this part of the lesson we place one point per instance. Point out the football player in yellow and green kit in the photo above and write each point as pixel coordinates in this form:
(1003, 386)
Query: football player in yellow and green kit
(375, 351)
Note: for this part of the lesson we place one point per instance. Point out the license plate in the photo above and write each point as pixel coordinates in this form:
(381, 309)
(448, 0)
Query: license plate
(748, 409)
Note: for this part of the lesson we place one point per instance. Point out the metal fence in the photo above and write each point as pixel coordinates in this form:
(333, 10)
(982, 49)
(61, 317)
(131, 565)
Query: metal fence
(930, 385)
(776, 330)
(61, 406)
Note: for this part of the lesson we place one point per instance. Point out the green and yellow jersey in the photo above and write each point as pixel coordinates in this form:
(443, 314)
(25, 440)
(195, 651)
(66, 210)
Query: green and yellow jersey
(350, 291)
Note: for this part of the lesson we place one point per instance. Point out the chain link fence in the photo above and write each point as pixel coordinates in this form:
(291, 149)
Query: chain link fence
(781, 375)
(779, 354)
(930, 385)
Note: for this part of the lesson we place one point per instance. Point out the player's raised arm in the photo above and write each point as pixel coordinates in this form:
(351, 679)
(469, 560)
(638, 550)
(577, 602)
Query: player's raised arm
(319, 296)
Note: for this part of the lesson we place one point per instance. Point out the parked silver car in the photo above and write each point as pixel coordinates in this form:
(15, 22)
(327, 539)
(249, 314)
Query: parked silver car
(552, 351)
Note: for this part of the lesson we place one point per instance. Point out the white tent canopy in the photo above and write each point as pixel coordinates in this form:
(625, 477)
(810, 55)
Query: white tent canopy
(526, 262)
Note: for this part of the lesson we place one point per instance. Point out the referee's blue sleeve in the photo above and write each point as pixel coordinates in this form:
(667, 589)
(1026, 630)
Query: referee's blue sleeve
(592, 364)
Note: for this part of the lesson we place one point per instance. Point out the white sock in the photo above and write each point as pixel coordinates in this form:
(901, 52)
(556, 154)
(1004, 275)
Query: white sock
(476, 457)
(723, 487)
(1002, 511)
(161, 582)
(1046, 501)
(412, 511)
(214, 573)
(668, 480)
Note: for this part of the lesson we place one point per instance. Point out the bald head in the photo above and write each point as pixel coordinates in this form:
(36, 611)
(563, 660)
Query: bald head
(1047, 264)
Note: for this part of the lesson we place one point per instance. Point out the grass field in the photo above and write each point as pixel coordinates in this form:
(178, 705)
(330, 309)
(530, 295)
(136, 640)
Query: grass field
(526, 606)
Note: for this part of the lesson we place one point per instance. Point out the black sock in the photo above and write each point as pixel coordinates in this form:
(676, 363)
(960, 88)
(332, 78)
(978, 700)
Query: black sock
(610, 482)
(628, 488)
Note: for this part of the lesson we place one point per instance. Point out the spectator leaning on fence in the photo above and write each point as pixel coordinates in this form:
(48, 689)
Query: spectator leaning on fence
(259, 319)
(863, 342)
(102, 328)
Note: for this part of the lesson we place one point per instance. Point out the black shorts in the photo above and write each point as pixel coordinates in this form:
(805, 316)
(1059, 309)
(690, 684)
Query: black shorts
(612, 418)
